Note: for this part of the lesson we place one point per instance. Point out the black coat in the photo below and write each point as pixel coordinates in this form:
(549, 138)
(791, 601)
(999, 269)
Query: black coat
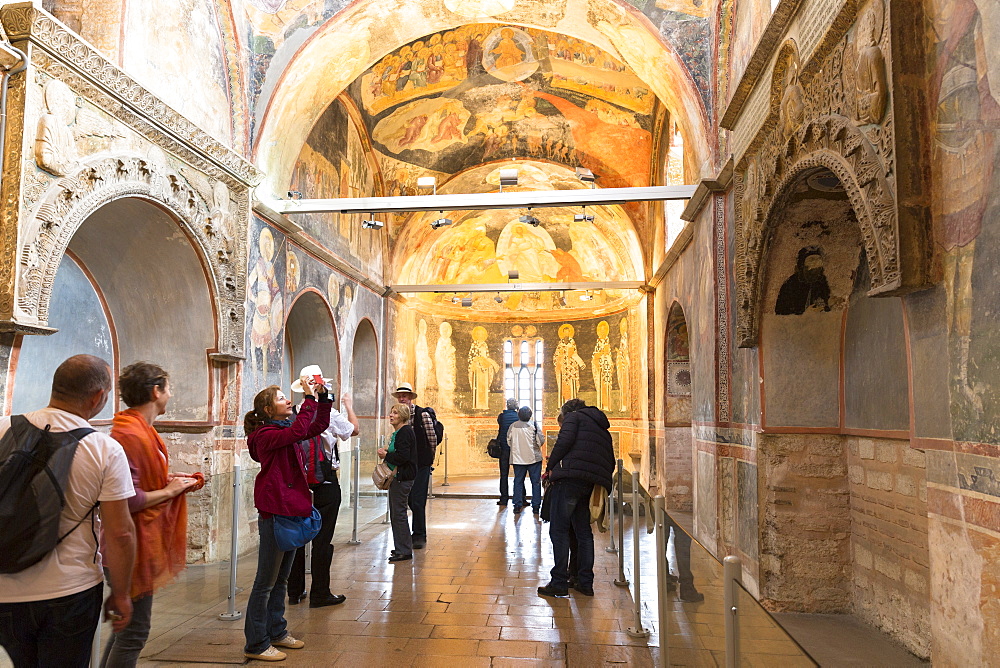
(583, 449)
(505, 420)
(404, 454)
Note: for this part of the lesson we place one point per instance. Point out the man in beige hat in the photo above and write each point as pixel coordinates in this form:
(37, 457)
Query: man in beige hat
(423, 420)
(322, 458)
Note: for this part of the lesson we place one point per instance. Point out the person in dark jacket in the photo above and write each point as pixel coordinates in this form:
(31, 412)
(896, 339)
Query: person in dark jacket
(422, 420)
(582, 457)
(504, 421)
(281, 488)
(401, 456)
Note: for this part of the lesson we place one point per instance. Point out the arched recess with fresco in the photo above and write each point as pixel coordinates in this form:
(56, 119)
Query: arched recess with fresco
(311, 338)
(676, 463)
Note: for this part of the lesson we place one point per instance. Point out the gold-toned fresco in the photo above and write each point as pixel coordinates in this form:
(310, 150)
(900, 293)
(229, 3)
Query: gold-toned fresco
(484, 246)
(482, 92)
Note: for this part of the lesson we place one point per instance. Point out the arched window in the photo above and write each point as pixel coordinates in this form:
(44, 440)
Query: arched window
(523, 377)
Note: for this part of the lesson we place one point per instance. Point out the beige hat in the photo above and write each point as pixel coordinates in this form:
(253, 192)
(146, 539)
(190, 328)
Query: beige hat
(404, 388)
(311, 370)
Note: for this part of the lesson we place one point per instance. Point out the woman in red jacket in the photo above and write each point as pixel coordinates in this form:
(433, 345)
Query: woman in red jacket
(281, 488)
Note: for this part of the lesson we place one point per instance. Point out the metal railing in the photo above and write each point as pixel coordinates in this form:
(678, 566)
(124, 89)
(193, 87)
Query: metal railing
(738, 604)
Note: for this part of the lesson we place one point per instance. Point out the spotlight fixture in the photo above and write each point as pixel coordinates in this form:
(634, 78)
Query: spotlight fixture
(428, 182)
(513, 275)
(498, 299)
(466, 301)
(508, 177)
(583, 216)
(441, 222)
(585, 175)
(371, 223)
(294, 194)
(456, 300)
(530, 220)
(586, 296)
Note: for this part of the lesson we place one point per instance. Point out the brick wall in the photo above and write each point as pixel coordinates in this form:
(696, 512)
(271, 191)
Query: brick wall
(890, 570)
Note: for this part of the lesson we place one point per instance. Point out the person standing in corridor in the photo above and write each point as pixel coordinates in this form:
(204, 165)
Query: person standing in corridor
(422, 420)
(504, 421)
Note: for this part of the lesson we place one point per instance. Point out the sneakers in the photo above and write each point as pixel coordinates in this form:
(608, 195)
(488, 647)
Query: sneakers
(269, 654)
(329, 599)
(288, 642)
(549, 590)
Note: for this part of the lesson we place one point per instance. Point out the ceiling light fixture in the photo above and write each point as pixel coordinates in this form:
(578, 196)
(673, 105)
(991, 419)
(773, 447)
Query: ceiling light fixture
(466, 301)
(530, 219)
(294, 194)
(586, 296)
(586, 175)
(581, 217)
(513, 275)
(371, 223)
(498, 299)
(508, 177)
(441, 222)
(428, 182)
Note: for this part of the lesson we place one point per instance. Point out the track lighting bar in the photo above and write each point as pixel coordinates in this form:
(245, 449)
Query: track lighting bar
(482, 201)
(520, 287)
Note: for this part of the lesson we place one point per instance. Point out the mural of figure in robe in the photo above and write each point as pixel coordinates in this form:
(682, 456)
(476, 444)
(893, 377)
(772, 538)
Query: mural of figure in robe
(567, 364)
(602, 365)
(622, 364)
(482, 369)
(444, 368)
(423, 362)
(962, 164)
(268, 308)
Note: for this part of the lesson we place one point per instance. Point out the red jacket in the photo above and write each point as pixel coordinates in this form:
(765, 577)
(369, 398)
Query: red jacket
(281, 487)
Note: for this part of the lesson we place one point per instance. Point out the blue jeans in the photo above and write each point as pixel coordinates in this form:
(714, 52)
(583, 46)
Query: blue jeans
(571, 510)
(534, 472)
(123, 649)
(53, 632)
(266, 608)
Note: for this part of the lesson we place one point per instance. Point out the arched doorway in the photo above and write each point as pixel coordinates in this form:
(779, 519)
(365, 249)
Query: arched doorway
(140, 295)
(675, 466)
(833, 460)
(311, 338)
(364, 382)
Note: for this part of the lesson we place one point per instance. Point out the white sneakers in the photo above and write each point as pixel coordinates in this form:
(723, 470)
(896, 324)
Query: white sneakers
(272, 654)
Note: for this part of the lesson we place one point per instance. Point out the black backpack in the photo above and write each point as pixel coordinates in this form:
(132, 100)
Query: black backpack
(34, 471)
(438, 427)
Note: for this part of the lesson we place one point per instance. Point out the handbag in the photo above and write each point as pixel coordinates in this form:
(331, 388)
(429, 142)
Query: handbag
(493, 448)
(291, 533)
(383, 476)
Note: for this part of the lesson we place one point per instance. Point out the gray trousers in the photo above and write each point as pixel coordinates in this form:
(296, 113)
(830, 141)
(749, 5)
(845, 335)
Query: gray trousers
(399, 494)
(123, 648)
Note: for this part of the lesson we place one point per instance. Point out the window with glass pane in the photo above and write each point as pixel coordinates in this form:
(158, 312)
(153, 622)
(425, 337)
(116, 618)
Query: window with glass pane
(523, 377)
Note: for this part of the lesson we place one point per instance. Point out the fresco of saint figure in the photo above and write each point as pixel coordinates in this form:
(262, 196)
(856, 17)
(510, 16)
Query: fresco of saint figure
(622, 364)
(423, 360)
(602, 366)
(567, 364)
(444, 367)
(268, 308)
(481, 368)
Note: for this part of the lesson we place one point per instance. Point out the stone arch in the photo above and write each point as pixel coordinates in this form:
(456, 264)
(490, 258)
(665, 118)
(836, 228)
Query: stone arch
(832, 142)
(311, 337)
(344, 47)
(676, 463)
(210, 226)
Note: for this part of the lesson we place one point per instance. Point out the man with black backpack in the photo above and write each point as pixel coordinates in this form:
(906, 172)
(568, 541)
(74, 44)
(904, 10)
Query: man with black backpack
(54, 471)
(429, 433)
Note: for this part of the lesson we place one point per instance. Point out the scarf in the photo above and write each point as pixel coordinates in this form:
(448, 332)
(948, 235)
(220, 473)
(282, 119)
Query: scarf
(287, 422)
(160, 530)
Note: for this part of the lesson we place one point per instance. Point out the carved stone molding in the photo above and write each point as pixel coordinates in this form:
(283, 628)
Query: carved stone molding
(84, 69)
(73, 198)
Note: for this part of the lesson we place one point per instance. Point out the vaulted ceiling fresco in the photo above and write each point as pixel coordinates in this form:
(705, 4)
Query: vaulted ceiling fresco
(485, 92)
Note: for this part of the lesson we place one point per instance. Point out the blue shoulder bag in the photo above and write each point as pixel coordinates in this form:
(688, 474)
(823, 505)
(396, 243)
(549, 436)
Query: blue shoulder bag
(291, 533)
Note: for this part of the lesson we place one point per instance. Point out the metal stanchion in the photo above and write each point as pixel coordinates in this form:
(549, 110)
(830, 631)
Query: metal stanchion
(732, 577)
(662, 603)
(637, 631)
(622, 581)
(611, 515)
(385, 520)
(232, 614)
(445, 483)
(308, 558)
(355, 489)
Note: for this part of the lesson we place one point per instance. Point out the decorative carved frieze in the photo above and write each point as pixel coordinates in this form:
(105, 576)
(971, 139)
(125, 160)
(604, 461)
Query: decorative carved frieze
(860, 156)
(73, 198)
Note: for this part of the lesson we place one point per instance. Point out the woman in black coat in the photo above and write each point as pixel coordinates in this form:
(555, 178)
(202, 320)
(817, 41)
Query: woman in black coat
(401, 456)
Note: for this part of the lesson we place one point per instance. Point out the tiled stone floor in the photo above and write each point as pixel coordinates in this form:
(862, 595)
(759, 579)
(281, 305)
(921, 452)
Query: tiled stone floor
(468, 598)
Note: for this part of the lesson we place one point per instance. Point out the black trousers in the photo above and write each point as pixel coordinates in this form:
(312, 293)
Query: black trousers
(504, 463)
(53, 632)
(418, 502)
(326, 498)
